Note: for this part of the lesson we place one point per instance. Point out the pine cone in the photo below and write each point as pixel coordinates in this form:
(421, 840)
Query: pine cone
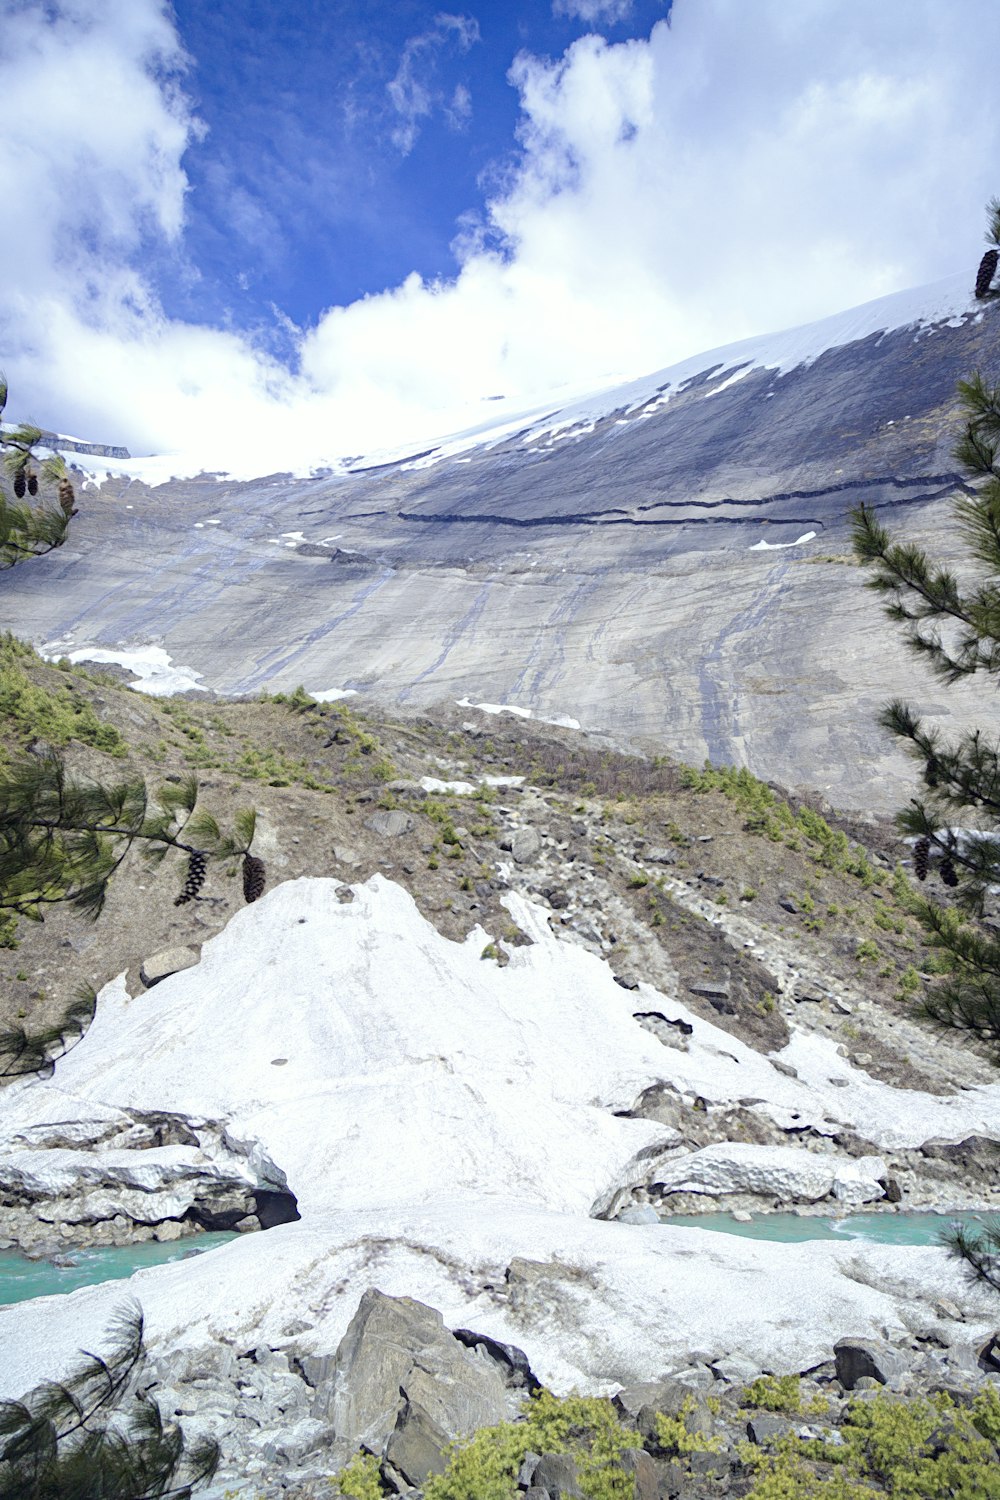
(948, 873)
(931, 772)
(67, 497)
(921, 851)
(986, 272)
(254, 878)
(196, 871)
(19, 484)
(32, 483)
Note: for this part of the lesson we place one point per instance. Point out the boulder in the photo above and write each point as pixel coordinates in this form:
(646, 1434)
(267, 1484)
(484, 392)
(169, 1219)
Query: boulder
(556, 1474)
(524, 845)
(873, 1359)
(395, 1351)
(416, 1446)
(389, 823)
(765, 1427)
(168, 961)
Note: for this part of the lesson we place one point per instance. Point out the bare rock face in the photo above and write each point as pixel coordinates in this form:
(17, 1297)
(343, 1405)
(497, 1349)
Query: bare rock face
(678, 575)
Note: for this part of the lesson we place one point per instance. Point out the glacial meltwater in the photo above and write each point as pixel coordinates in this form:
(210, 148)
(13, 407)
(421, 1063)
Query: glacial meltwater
(22, 1279)
(912, 1228)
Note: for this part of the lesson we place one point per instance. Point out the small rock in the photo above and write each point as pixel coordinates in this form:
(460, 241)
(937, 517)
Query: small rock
(945, 1308)
(784, 1068)
(170, 1229)
(556, 1473)
(345, 856)
(639, 1213)
(741, 1216)
(389, 824)
(168, 961)
(862, 1059)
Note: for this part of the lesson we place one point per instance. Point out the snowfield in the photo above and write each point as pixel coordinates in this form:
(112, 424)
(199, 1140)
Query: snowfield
(443, 1120)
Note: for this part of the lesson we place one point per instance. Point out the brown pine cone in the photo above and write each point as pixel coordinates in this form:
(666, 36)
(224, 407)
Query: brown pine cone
(254, 878)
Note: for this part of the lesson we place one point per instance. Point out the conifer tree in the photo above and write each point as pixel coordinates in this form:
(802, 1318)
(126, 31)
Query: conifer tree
(26, 529)
(63, 838)
(954, 628)
(93, 1436)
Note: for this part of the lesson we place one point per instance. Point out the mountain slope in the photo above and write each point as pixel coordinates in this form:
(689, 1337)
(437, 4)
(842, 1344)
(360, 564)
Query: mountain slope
(663, 562)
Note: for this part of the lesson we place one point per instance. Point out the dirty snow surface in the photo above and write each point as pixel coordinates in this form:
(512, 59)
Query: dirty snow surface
(438, 1116)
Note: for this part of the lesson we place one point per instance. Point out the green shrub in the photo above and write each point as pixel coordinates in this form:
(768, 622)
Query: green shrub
(359, 1480)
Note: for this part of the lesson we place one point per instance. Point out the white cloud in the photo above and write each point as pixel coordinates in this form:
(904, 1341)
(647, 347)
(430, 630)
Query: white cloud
(414, 92)
(743, 169)
(592, 11)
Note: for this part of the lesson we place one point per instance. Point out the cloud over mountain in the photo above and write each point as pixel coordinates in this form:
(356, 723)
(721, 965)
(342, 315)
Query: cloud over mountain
(741, 169)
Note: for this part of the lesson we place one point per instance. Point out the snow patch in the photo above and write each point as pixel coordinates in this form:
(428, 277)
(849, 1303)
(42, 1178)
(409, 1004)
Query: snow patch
(807, 536)
(157, 674)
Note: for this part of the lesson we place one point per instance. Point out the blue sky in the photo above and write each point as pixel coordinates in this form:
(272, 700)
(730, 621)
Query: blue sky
(259, 232)
(333, 186)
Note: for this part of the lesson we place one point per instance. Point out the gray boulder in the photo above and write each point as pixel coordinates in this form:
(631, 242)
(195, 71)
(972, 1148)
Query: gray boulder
(395, 1352)
(556, 1474)
(416, 1446)
(859, 1359)
(525, 845)
(389, 824)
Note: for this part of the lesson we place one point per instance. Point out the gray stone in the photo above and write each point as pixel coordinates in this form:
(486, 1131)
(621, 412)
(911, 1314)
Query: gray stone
(345, 856)
(661, 857)
(556, 1474)
(527, 1468)
(295, 1441)
(396, 1346)
(859, 1359)
(637, 1462)
(389, 823)
(784, 1068)
(524, 845)
(416, 1446)
(764, 1426)
(168, 961)
(170, 1229)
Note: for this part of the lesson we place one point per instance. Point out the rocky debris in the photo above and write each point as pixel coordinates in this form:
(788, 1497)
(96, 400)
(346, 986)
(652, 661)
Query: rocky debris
(168, 961)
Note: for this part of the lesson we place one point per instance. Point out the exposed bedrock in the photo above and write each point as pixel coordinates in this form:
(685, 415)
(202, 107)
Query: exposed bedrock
(615, 573)
(125, 1176)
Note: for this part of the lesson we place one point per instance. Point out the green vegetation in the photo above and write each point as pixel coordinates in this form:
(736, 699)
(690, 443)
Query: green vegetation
(485, 1466)
(925, 1448)
(770, 816)
(28, 530)
(55, 716)
(780, 1393)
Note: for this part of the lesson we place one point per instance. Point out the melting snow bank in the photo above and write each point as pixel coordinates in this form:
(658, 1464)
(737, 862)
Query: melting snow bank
(157, 675)
(763, 546)
(449, 1128)
(562, 721)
